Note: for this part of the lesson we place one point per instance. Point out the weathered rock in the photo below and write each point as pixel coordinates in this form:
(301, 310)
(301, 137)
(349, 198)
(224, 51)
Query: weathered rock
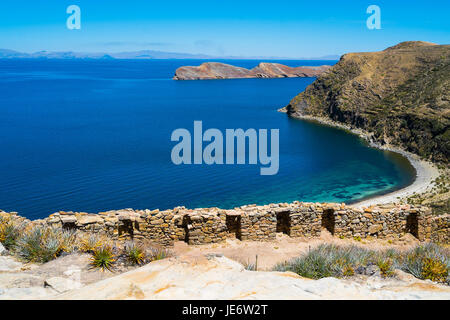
(62, 284)
(220, 278)
(372, 270)
(375, 228)
(25, 293)
(68, 219)
(8, 264)
(89, 219)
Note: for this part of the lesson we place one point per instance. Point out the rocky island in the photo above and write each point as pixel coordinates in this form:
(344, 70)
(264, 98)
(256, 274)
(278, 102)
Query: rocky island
(216, 70)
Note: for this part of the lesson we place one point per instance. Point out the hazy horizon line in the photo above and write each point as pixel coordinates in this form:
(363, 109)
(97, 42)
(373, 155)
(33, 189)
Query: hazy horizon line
(12, 53)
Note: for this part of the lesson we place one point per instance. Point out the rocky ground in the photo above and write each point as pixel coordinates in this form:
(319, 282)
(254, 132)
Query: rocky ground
(210, 272)
(217, 277)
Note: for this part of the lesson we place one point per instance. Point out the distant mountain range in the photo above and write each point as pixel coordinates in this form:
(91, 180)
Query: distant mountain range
(144, 54)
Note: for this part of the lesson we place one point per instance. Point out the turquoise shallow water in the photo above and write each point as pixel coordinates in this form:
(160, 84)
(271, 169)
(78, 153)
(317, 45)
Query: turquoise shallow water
(95, 135)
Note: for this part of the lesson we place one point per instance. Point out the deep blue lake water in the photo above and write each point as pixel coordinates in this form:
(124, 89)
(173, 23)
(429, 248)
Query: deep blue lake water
(94, 135)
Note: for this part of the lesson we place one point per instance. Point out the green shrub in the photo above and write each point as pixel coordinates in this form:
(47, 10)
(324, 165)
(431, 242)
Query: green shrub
(90, 243)
(9, 231)
(386, 267)
(42, 244)
(134, 254)
(328, 261)
(427, 261)
(38, 245)
(103, 258)
(68, 241)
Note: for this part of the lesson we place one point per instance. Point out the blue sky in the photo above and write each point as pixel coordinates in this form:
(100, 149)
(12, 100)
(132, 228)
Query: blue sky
(221, 27)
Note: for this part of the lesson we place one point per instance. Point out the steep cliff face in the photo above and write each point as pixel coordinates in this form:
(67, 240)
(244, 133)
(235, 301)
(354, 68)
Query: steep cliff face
(216, 70)
(401, 95)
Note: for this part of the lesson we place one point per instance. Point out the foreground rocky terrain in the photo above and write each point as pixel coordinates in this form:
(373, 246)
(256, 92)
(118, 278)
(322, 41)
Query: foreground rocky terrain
(216, 70)
(208, 272)
(217, 277)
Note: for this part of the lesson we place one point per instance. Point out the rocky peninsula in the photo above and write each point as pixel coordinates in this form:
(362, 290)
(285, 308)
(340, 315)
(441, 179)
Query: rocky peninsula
(397, 99)
(216, 70)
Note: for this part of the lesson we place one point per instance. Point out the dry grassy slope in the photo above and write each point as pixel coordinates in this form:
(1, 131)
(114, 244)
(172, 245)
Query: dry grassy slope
(401, 95)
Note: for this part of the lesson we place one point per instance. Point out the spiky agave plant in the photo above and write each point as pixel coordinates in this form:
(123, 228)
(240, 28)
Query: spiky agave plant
(103, 258)
(134, 253)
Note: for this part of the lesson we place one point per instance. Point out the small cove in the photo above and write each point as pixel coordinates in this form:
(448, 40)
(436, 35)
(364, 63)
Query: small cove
(94, 135)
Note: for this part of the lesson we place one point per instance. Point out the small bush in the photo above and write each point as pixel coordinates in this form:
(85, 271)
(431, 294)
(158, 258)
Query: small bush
(103, 258)
(434, 270)
(327, 261)
(134, 254)
(159, 254)
(38, 244)
(348, 271)
(428, 261)
(386, 267)
(68, 241)
(9, 232)
(90, 243)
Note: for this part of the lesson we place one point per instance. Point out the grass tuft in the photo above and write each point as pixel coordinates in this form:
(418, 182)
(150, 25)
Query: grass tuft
(427, 261)
(134, 253)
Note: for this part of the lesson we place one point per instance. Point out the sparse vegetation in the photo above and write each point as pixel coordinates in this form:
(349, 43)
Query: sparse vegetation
(91, 242)
(41, 244)
(427, 261)
(159, 254)
(386, 267)
(438, 198)
(328, 261)
(134, 253)
(10, 231)
(248, 265)
(103, 258)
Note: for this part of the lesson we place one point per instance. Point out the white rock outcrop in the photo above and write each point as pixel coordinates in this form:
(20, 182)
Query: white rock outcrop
(217, 277)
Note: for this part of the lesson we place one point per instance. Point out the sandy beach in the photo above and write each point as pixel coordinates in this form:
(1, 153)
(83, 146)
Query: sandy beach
(426, 172)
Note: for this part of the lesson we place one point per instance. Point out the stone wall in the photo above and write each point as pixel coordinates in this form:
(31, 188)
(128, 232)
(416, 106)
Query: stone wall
(258, 223)
(438, 229)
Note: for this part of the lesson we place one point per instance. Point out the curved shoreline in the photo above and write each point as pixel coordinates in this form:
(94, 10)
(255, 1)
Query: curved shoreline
(426, 172)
